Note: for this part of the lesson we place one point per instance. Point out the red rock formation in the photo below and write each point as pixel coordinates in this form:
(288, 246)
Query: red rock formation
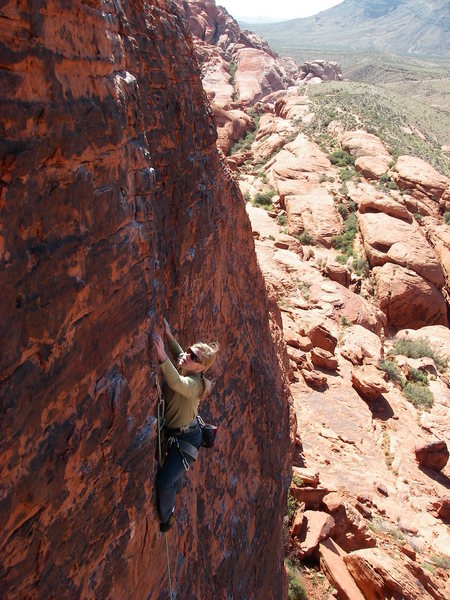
(408, 300)
(322, 69)
(220, 43)
(420, 178)
(115, 210)
(378, 575)
(433, 455)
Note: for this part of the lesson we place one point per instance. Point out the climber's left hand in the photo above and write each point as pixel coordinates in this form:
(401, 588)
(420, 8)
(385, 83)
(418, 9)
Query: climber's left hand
(158, 344)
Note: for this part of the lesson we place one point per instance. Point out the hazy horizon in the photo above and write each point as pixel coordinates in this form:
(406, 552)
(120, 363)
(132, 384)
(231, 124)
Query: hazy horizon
(282, 10)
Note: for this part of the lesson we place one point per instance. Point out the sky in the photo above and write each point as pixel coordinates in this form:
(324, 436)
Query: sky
(276, 9)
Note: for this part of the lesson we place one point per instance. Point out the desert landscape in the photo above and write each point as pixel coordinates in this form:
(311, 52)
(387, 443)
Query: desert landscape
(351, 230)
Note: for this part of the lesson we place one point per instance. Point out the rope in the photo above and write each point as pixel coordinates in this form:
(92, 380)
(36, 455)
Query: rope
(172, 594)
(160, 427)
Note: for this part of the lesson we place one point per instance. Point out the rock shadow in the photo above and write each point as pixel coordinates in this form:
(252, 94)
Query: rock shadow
(380, 408)
(436, 475)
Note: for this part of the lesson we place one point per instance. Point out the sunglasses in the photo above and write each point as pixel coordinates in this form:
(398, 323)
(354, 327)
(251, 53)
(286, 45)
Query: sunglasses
(193, 356)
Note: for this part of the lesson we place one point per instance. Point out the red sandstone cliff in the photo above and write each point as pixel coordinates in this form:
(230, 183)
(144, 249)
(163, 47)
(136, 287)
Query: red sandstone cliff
(116, 209)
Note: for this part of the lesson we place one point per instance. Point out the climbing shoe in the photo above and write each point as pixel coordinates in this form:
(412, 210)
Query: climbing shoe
(168, 524)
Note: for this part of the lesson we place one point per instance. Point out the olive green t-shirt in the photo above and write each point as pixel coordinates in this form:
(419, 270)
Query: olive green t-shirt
(183, 397)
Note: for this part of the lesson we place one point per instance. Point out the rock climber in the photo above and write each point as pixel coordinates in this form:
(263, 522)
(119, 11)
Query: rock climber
(182, 392)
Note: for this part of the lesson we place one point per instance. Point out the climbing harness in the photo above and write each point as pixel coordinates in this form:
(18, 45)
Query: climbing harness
(160, 409)
(184, 448)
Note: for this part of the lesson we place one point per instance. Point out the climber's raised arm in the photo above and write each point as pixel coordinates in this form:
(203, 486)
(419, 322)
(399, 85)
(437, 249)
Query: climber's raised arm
(175, 349)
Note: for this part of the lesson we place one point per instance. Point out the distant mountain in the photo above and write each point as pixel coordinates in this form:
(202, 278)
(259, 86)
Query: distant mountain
(398, 26)
(251, 20)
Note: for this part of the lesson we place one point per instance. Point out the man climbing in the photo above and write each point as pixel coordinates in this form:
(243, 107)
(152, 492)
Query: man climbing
(182, 391)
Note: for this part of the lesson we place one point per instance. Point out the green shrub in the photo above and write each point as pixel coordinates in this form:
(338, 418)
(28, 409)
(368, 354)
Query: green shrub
(282, 220)
(393, 371)
(360, 266)
(342, 210)
(344, 189)
(296, 588)
(346, 174)
(341, 158)
(441, 561)
(417, 349)
(418, 376)
(298, 481)
(305, 288)
(446, 218)
(244, 143)
(419, 395)
(263, 198)
(418, 217)
(305, 239)
(292, 505)
(352, 206)
(344, 242)
(233, 69)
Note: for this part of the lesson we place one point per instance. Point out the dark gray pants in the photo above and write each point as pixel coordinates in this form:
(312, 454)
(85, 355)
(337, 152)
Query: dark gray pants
(170, 476)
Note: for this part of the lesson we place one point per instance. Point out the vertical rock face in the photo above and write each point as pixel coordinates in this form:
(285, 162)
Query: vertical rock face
(115, 209)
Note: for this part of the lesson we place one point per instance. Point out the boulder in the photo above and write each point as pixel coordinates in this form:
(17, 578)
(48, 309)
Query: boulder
(421, 205)
(350, 530)
(262, 151)
(313, 211)
(438, 337)
(368, 382)
(408, 550)
(339, 273)
(360, 143)
(257, 75)
(416, 175)
(297, 523)
(324, 359)
(311, 496)
(270, 124)
(323, 69)
(291, 107)
(316, 527)
(345, 303)
(407, 299)
(433, 455)
(232, 125)
(372, 167)
(335, 570)
(363, 343)
(441, 507)
(298, 356)
(379, 575)
(322, 337)
(371, 200)
(297, 163)
(310, 477)
(304, 343)
(314, 379)
(387, 239)
(439, 236)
